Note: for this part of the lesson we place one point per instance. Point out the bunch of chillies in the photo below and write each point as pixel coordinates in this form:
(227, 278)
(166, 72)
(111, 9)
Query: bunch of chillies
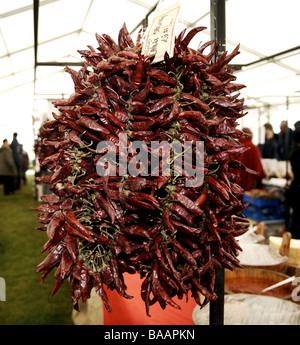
(100, 227)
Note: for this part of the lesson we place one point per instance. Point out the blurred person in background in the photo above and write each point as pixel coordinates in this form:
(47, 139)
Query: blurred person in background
(8, 170)
(285, 140)
(25, 165)
(297, 125)
(270, 147)
(252, 160)
(18, 158)
(293, 192)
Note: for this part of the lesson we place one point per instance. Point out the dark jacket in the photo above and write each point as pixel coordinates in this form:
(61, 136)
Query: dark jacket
(295, 163)
(17, 152)
(7, 164)
(285, 144)
(292, 194)
(270, 148)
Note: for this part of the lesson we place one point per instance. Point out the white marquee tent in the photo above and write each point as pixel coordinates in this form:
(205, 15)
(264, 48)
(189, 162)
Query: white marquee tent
(33, 53)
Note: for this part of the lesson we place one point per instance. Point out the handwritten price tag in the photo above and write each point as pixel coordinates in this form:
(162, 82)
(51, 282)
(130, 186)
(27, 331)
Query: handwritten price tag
(160, 34)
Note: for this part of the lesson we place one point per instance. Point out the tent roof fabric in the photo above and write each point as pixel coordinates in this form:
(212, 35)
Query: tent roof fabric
(263, 28)
(267, 31)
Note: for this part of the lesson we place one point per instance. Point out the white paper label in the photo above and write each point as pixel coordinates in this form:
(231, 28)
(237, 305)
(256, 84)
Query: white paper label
(160, 34)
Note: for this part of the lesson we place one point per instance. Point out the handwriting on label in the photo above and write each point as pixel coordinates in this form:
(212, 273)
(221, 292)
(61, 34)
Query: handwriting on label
(160, 34)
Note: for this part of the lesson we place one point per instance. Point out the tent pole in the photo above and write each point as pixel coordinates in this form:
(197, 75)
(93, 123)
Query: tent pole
(218, 33)
(36, 5)
(259, 127)
(287, 139)
(217, 23)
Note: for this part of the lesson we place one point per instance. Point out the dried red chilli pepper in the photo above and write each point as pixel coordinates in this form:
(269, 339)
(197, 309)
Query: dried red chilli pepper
(175, 244)
(88, 123)
(227, 155)
(114, 120)
(162, 90)
(112, 95)
(88, 109)
(71, 219)
(167, 280)
(183, 213)
(200, 201)
(190, 35)
(99, 288)
(73, 190)
(142, 94)
(198, 102)
(107, 207)
(161, 75)
(136, 230)
(188, 203)
(166, 220)
(161, 104)
(175, 274)
(104, 46)
(158, 253)
(217, 187)
(115, 274)
(158, 290)
(194, 58)
(145, 294)
(212, 216)
(137, 107)
(52, 258)
(79, 129)
(143, 125)
(47, 208)
(63, 144)
(123, 242)
(138, 75)
(57, 238)
(74, 232)
(124, 39)
(55, 224)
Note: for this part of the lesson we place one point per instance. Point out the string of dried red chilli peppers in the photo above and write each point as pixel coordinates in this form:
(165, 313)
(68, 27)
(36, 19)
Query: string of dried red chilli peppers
(100, 227)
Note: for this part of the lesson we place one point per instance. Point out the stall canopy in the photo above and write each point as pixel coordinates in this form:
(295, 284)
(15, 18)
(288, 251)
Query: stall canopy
(38, 38)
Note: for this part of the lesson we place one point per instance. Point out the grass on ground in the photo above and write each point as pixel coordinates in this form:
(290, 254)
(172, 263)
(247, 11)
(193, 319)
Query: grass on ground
(28, 301)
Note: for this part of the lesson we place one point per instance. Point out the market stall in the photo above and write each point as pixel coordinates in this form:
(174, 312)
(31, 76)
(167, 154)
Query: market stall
(118, 230)
(173, 231)
(164, 234)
